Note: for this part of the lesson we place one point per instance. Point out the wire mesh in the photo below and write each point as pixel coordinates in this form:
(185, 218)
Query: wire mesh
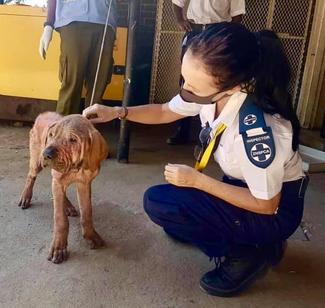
(256, 16)
(289, 18)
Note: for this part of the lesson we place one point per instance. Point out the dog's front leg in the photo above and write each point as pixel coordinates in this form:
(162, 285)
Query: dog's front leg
(88, 231)
(58, 251)
(34, 168)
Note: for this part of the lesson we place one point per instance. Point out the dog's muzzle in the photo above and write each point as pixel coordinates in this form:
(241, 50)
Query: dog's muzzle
(50, 153)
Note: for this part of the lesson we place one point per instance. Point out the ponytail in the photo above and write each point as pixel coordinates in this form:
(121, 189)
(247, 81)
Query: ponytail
(272, 79)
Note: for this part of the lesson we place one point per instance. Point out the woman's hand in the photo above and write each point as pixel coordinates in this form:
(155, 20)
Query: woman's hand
(181, 175)
(184, 25)
(100, 113)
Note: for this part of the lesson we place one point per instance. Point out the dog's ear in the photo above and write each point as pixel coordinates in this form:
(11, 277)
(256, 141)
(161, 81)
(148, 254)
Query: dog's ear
(45, 134)
(94, 150)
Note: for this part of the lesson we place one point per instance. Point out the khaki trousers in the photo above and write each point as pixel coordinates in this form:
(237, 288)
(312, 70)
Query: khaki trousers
(80, 48)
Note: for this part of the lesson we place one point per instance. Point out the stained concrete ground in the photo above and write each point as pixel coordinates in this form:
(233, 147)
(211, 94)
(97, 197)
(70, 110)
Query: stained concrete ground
(140, 267)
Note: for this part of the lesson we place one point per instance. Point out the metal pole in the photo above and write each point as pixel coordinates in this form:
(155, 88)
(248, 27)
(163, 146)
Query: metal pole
(100, 53)
(322, 129)
(124, 141)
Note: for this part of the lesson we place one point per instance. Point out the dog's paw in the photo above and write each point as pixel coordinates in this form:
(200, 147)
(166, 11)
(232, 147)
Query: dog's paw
(58, 251)
(25, 199)
(94, 240)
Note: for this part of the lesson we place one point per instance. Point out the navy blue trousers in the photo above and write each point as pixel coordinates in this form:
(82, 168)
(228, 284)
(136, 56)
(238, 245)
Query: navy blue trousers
(214, 225)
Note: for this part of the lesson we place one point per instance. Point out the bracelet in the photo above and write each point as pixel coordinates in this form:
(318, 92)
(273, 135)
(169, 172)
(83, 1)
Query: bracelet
(126, 111)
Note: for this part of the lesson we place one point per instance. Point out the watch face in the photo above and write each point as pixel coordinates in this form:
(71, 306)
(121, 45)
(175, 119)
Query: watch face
(122, 114)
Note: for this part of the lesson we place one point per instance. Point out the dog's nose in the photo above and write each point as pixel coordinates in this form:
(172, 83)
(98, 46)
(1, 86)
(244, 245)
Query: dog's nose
(50, 152)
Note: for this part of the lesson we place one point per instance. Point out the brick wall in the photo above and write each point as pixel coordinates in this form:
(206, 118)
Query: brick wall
(147, 12)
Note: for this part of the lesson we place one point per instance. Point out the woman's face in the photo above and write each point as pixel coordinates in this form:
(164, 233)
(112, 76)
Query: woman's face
(196, 79)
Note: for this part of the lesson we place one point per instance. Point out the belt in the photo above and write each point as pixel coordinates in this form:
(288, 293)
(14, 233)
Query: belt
(200, 27)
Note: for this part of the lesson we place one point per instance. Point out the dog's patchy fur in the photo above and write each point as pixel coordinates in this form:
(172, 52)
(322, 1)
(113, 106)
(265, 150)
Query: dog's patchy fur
(73, 149)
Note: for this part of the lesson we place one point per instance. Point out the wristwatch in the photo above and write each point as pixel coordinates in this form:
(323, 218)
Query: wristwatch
(122, 113)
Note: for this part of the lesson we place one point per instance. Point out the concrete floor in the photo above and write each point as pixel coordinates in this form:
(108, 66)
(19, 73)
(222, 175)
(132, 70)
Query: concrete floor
(140, 267)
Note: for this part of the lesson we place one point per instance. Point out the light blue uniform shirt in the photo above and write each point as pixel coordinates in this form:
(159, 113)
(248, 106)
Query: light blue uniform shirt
(94, 11)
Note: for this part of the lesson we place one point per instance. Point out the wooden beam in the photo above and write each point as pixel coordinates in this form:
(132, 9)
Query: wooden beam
(314, 69)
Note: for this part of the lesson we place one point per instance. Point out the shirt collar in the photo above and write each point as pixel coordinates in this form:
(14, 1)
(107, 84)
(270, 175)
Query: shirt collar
(231, 110)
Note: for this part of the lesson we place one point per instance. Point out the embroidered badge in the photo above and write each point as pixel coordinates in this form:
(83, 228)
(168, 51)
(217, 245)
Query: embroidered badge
(260, 149)
(261, 152)
(250, 119)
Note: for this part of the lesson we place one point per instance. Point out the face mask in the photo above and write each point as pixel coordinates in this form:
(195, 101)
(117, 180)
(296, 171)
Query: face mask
(190, 97)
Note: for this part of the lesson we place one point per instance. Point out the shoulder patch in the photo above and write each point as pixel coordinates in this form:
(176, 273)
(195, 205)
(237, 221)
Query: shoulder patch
(260, 148)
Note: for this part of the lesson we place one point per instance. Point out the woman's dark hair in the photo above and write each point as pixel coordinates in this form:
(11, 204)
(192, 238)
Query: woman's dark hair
(254, 60)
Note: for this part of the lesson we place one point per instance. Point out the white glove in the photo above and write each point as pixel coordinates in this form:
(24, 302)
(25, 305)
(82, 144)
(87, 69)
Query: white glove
(45, 41)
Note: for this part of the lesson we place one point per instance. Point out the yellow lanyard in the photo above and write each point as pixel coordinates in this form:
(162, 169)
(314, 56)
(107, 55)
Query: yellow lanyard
(200, 165)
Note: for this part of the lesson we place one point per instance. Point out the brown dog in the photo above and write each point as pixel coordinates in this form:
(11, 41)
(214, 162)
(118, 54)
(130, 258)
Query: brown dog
(73, 149)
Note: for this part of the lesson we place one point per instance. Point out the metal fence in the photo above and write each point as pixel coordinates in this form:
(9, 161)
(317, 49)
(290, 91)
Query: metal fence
(291, 19)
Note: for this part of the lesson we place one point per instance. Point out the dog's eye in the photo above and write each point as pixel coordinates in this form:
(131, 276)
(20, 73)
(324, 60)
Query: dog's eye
(72, 140)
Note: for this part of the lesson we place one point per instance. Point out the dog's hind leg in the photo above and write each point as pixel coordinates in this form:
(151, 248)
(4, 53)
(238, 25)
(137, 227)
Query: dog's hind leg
(70, 210)
(86, 219)
(34, 168)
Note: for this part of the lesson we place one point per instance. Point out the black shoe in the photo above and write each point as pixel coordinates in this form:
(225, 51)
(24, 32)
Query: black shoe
(242, 266)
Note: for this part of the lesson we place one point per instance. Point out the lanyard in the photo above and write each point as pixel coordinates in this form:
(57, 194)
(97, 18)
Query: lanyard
(200, 165)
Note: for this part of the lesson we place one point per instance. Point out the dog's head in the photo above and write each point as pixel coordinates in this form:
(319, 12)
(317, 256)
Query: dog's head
(73, 143)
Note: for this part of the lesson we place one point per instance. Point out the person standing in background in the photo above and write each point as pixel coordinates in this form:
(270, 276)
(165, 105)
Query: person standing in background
(80, 24)
(200, 15)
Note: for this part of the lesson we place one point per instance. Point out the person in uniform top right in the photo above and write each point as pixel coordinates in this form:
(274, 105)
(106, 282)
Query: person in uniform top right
(237, 82)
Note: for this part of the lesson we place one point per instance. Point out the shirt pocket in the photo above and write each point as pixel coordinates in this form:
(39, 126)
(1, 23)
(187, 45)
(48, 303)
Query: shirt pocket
(72, 8)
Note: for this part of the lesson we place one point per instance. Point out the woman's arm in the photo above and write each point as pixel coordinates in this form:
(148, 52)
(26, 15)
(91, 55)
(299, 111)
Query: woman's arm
(183, 24)
(238, 196)
(185, 176)
(146, 114)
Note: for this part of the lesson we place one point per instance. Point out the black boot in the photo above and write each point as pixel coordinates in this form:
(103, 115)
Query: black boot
(240, 268)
